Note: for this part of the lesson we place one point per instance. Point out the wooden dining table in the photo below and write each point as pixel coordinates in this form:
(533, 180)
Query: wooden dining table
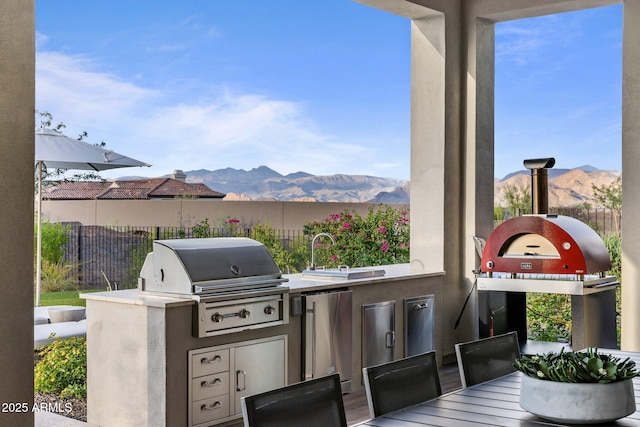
(492, 403)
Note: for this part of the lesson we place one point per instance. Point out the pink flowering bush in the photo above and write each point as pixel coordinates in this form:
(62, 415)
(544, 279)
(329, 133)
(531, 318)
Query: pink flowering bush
(382, 237)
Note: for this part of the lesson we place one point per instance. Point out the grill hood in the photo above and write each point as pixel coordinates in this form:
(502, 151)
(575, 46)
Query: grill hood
(204, 266)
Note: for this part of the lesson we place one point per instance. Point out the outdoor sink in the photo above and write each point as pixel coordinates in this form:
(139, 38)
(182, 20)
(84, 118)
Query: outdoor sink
(345, 273)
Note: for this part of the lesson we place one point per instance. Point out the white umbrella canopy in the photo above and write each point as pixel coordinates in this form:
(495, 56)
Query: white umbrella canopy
(58, 151)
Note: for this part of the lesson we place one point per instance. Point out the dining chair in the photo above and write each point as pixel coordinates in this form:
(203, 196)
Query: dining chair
(487, 358)
(401, 383)
(313, 403)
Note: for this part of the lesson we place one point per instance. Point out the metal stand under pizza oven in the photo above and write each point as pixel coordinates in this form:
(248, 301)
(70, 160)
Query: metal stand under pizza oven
(502, 308)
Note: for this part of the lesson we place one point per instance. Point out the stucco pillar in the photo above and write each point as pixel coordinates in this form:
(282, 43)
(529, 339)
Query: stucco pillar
(427, 143)
(479, 154)
(631, 177)
(17, 94)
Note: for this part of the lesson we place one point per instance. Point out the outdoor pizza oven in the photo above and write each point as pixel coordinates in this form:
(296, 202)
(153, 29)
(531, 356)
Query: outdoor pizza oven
(550, 254)
(538, 250)
(234, 281)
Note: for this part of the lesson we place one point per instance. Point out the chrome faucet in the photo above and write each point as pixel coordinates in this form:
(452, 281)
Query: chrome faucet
(313, 248)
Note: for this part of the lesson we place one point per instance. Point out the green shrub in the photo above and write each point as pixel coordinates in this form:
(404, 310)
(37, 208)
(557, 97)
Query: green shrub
(548, 317)
(382, 237)
(59, 276)
(613, 243)
(201, 229)
(287, 260)
(54, 237)
(62, 369)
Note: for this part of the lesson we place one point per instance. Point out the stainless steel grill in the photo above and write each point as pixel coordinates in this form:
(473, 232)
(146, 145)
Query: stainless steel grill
(234, 280)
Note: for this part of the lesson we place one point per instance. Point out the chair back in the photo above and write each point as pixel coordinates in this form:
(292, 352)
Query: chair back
(395, 385)
(488, 358)
(313, 403)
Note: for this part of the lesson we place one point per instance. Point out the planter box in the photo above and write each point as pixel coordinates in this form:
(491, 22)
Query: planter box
(577, 403)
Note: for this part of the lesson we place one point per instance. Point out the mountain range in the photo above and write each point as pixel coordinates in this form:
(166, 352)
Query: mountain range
(567, 187)
(263, 183)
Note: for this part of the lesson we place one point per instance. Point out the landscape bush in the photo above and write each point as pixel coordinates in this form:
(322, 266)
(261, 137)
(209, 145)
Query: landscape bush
(289, 261)
(62, 369)
(58, 276)
(54, 237)
(382, 237)
(56, 273)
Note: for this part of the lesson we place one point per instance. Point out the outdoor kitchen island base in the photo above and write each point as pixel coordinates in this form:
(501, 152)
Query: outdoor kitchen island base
(139, 347)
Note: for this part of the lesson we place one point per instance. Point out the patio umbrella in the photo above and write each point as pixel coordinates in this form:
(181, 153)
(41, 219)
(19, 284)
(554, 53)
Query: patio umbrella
(57, 151)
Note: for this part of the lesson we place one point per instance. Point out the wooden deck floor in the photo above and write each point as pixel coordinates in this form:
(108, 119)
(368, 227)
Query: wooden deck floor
(355, 404)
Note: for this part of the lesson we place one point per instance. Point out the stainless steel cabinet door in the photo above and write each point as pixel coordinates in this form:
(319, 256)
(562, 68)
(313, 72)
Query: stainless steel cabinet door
(258, 368)
(378, 333)
(327, 335)
(418, 325)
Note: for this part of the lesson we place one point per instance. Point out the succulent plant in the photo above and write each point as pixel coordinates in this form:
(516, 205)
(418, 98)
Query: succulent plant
(586, 366)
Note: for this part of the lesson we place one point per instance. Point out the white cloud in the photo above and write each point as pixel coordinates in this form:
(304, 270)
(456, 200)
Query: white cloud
(239, 130)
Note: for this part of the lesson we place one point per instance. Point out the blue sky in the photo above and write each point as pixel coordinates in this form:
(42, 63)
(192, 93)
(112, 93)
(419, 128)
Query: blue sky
(321, 87)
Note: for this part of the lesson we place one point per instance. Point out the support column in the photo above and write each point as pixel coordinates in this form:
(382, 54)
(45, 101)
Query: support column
(631, 177)
(427, 143)
(17, 105)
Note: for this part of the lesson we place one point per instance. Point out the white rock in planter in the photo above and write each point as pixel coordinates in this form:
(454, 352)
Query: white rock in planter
(577, 403)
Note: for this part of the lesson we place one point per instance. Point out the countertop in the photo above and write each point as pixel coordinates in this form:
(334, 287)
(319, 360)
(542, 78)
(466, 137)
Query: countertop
(296, 283)
(393, 272)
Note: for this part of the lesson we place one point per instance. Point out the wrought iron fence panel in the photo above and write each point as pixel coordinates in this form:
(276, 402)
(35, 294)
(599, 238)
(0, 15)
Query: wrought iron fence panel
(604, 221)
(112, 256)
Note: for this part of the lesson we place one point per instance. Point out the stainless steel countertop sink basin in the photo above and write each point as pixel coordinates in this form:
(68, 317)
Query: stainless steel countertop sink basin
(345, 273)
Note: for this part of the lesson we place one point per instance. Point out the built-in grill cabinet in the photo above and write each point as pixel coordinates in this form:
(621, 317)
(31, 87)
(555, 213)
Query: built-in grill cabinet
(234, 280)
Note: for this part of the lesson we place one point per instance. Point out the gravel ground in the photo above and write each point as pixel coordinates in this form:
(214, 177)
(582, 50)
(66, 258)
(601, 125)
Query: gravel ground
(72, 408)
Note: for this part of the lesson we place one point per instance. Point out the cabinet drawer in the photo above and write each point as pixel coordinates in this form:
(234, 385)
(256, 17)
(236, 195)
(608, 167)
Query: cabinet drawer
(210, 362)
(210, 409)
(210, 386)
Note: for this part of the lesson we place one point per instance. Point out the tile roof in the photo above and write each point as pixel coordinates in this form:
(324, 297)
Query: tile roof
(151, 188)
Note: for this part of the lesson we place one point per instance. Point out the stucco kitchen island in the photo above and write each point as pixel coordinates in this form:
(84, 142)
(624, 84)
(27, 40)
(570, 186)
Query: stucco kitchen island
(140, 348)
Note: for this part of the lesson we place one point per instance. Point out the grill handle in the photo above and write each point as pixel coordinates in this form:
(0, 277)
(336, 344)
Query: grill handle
(200, 289)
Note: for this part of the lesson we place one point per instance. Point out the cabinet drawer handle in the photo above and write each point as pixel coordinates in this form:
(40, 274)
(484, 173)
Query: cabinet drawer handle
(211, 406)
(213, 383)
(215, 359)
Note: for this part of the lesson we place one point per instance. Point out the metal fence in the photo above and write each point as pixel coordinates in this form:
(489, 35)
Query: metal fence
(113, 256)
(604, 221)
